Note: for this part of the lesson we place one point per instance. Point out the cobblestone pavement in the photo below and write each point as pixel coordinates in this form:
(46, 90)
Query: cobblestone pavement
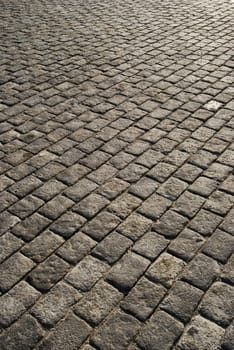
(117, 182)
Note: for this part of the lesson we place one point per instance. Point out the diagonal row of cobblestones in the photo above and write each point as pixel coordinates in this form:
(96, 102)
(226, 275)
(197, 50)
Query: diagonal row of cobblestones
(116, 175)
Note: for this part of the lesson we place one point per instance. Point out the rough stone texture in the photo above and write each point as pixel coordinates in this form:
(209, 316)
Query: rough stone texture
(46, 274)
(201, 334)
(127, 271)
(116, 173)
(85, 274)
(201, 271)
(53, 306)
(160, 332)
(228, 340)
(76, 248)
(42, 246)
(24, 334)
(143, 298)
(69, 334)
(98, 303)
(14, 269)
(117, 332)
(16, 301)
(186, 245)
(220, 246)
(112, 247)
(165, 269)
(217, 304)
(182, 301)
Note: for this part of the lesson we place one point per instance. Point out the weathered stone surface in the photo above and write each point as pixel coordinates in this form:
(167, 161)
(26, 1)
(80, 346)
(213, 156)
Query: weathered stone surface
(84, 275)
(14, 269)
(143, 298)
(98, 303)
(165, 269)
(217, 304)
(116, 173)
(8, 245)
(186, 244)
(53, 306)
(201, 334)
(150, 245)
(68, 224)
(160, 332)
(101, 225)
(24, 334)
(182, 300)
(42, 246)
(112, 247)
(16, 301)
(116, 332)
(154, 206)
(91, 205)
(75, 248)
(201, 271)
(127, 270)
(47, 273)
(220, 246)
(69, 335)
(228, 340)
(135, 226)
(170, 224)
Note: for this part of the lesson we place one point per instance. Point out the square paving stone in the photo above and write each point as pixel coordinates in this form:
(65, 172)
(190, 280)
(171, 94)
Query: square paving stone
(201, 334)
(76, 248)
(123, 205)
(134, 226)
(116, 332)
(8, 245)
(81, 189)
(98, 303)
(68, 335)
(112, 247)
(14, 269)
(186, 244)
(201, 271)
(160, 332)
(91, 205)
(30, 227)
(55, 207)
(205, 222)
(144, 187)
(86, 273)
(42, 246)
(53, 305)
(14, 303)
(219, 202)
(49, 272)
(68, 224)
(188, 204)
(154, 206)
(143, 298)
(182, 300)
(101, 225)
(218, 304)
(170, 224)
(219, 246)
(150, 245)
(23, 334)
(127, 271)
(165, 269)
(112, 188)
